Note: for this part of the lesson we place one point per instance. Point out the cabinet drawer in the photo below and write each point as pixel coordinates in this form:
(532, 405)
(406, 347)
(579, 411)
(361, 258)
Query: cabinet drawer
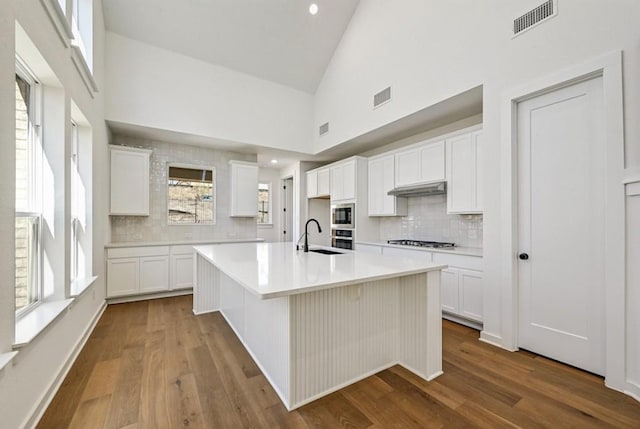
(133, 252)
(459, 261)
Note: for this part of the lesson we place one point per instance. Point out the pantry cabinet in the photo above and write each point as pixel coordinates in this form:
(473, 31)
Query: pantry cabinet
(464, 187)
(129, 169)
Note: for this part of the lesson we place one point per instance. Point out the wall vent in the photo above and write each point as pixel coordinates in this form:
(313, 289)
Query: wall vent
(324, 129)
(535, 16)
(382, 97)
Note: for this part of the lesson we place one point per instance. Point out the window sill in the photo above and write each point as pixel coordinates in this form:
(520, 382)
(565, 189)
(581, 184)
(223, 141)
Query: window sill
(78, 286)
(6, 358)
(59, 21)
(81, 65)
(34, 323)
(265, 225)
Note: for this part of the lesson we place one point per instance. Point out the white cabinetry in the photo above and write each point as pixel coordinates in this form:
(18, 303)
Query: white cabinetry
(244, 189)
(129, 194)
(463, 174)
(461, 285)
(137, 270)
(181, 267)
(381, 181)
(123, 276)
(343, 181)
(421, 164)
(154, 273)
(318, 183)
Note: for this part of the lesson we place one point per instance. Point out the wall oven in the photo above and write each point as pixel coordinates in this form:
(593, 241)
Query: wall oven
(342, 238)
(343, 215)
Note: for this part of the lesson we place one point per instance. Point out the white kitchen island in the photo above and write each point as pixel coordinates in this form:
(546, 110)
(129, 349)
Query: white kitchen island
(315, 323)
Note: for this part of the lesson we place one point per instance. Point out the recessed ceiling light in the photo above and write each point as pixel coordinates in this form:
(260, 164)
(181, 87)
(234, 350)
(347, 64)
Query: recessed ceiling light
(313, 9)
(274, 161)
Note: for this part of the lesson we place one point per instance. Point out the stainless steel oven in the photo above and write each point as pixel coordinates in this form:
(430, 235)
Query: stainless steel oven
(343, 215)
(342, 238)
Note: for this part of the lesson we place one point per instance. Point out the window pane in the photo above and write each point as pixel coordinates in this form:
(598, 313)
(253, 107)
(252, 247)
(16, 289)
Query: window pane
(263, 203)
(23, 155)
(190, 193)
(27, 233)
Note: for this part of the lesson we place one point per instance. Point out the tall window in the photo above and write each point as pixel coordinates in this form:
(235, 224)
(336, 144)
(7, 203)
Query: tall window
(191, 195)
(264, 203)
(28, 219)
(75, 201)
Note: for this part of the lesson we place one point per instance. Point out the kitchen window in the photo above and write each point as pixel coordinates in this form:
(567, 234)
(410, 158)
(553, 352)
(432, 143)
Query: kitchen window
(264, 204)
(190, 195)
(28, 214)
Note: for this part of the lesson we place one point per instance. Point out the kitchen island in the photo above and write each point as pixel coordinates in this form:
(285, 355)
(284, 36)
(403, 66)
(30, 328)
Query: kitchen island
(315, 323)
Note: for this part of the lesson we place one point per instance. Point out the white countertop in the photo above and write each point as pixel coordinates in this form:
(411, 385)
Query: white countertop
(181, 243)
(468, 251)
(271, 270)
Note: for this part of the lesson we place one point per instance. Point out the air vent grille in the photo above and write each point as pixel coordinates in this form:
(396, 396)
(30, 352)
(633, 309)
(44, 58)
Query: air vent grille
(382, 97)
(324, 128)
(535, 16)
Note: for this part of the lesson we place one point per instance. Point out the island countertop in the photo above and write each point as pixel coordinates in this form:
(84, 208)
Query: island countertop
(271, 270)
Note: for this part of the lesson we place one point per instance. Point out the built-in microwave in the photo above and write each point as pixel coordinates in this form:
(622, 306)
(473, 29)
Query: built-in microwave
(342, 238)
(343, 215)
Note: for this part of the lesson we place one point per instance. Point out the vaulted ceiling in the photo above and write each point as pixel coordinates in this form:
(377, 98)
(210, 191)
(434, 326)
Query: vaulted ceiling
(276, 40)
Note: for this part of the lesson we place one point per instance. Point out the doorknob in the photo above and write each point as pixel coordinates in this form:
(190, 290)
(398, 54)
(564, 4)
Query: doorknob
(523, 256)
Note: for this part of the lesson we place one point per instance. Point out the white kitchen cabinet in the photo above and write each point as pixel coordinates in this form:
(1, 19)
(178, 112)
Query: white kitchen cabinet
(123, 276)
(154, 274)
(381, 181)
(461, 285)
(129, 193)
(137, 270)
(471, 294)
(420, 164)
(244, 189)
(463, 174)
(181, 267)
(343, 181)
(318, 183)
(449, 290)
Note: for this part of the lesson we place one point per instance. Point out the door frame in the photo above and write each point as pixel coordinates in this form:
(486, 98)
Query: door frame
(283, 214)
(609, 66)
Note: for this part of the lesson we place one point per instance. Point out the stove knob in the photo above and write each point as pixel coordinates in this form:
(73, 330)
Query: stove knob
(523, 256)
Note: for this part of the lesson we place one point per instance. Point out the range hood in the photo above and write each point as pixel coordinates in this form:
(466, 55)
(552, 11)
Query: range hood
(437, 188)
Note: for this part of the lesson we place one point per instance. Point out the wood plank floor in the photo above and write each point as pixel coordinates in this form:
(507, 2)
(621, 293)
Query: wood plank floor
(153, 364)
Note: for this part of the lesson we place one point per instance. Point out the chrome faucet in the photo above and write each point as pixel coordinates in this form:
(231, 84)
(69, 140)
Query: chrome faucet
(306, 233)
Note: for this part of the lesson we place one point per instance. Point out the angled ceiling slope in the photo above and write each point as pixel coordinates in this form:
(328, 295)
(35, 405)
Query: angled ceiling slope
(275, 40)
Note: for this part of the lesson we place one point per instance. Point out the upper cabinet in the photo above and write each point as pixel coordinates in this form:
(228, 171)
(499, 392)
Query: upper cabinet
(129, 181)
(244, 189)
(463, 174)
(422, 164)
(318, 183)
(381, 181)
(343, 180)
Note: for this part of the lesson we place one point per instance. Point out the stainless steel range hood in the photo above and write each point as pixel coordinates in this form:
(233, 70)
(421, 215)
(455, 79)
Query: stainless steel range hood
(437, 188)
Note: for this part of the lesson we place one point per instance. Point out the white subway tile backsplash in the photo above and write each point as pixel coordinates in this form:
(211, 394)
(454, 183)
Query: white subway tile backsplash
(427, 219)
(154, 227)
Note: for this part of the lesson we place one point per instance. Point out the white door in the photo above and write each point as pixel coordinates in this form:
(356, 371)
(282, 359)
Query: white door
(561, 157)
(287, 210)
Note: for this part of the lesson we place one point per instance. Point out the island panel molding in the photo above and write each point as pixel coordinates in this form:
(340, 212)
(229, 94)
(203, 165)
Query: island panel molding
(309, 341)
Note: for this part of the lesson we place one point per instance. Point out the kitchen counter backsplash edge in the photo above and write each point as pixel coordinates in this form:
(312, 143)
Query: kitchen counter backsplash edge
(468, 251)
(180, 243)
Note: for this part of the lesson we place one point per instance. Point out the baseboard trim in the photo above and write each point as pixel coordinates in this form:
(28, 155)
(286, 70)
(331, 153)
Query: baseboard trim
(145, 297)
(462, 321)
(494, 340)
(45, 400)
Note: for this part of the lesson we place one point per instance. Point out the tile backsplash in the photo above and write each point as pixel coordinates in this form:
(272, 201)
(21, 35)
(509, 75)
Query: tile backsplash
(154, 227)
(427, 219)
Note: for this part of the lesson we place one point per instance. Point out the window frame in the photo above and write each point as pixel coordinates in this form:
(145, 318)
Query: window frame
(270, 206)
(213, 190)
(74, 209)
(34, 203)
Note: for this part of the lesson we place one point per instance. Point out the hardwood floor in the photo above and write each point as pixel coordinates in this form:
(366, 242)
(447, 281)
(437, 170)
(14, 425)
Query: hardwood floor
(153, 364)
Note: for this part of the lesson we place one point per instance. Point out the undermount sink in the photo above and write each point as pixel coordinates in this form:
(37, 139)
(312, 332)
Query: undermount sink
(325, 251)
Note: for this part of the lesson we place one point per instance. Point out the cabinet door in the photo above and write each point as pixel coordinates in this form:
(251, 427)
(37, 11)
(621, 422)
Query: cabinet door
(432, 162)
(376, 187)
(244, 189)
(323, 183)
(407, 166)
(129, 182)
(154, 273)
(312, 184)
(337, 179)
(349, 180)
(181, 271)
(471, 294)
(122, 276)
(449, 290)
(460, 174)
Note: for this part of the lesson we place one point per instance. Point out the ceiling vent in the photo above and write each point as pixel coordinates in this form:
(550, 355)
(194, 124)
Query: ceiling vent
(324, 129)
(382, 97)
(535, 16)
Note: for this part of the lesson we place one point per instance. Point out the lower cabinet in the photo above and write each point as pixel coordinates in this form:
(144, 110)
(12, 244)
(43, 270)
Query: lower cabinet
(154, 274)
(181, 267)
(123, 276)
(461, 292)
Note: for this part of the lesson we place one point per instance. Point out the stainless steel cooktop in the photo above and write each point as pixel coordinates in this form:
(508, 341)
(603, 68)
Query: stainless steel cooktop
(419, 243)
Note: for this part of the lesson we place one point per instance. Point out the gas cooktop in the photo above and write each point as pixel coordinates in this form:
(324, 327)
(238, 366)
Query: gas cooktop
(418, 243)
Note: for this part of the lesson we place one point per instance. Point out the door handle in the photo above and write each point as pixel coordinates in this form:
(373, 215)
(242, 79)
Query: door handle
(523, 256)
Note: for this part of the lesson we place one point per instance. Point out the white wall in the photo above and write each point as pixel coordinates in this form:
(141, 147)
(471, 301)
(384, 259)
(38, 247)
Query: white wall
(272, 233)
(153, 87)
(26, 381)
(429, 51)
